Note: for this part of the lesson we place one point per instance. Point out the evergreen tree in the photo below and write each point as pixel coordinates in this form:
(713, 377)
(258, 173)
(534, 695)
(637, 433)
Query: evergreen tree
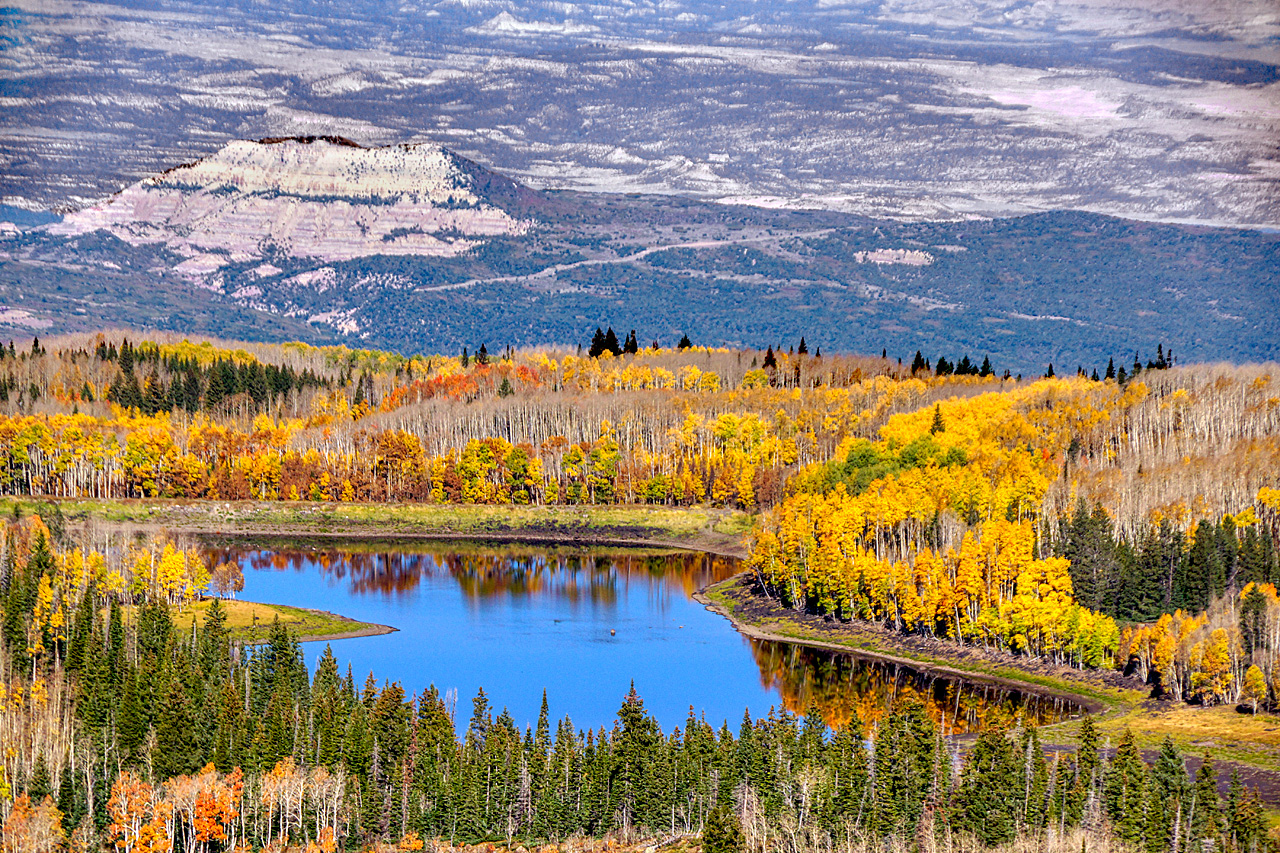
(39, 784)
(611, 342)
(990, 790)
(1205, 811)
(176, 751)
(1124, 791)
(722, 833)
(597, 344)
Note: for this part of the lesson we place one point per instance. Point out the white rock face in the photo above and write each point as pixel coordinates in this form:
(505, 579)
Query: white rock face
(314, 199)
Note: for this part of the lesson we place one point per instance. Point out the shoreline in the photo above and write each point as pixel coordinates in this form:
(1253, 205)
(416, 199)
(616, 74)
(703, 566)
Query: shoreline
(719, 598)
(306, 624)
(511, 537)
(720, 532)
(367, 629)
(1090, 705)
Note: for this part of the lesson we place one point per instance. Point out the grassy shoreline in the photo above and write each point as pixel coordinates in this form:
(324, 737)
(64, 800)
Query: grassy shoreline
(754, 616)
(250, 622)
(689, 528)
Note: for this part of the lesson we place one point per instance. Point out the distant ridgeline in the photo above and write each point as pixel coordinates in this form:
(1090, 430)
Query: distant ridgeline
(413, 248)
(127, 732)
(941, 501)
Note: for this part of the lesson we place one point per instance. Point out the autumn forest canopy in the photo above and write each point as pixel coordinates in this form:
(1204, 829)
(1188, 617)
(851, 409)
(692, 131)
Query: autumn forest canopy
(1116, 520)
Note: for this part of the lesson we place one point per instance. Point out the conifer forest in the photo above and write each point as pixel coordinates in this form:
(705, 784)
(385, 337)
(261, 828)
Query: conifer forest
(1116, 526)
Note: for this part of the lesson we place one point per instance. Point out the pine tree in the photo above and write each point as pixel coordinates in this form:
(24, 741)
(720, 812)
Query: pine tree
(597, 344)
(1124, 790)
(611, 342)
(1205, 816)
(722, 832)
(175, 751)
(632, 346)
(685, 343)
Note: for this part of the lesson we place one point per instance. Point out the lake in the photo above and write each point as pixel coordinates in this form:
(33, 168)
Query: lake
(583, 624)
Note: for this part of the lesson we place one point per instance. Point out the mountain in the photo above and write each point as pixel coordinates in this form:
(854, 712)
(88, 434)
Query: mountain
(414, 248)
(1145, 109)
(323, 198)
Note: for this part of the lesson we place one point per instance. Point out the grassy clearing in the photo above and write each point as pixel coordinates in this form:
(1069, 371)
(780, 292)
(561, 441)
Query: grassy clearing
(251, 621)
(695, 525)
(1220, 731)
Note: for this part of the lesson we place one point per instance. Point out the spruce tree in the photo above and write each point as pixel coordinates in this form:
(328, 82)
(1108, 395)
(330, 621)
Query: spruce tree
(938, 424)
(175, 751)
(597, 344)
(722, 832)
(1205, 815)
(1124, 790)
(39, 785)
(991, 790)
(611, 342)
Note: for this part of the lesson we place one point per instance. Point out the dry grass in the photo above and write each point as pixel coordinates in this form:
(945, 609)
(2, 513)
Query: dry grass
(1220, 730)
(251, 621)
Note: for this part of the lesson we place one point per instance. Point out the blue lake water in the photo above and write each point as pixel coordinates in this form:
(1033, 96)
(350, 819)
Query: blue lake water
(584, 625)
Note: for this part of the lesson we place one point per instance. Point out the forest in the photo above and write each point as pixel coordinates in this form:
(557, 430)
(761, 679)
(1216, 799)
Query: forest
(127, 733)
(1124, 520)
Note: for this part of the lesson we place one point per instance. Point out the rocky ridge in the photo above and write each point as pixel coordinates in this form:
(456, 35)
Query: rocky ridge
(325, 198)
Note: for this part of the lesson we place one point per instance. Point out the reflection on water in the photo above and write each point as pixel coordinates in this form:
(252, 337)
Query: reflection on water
(489, 571)
(584, 623)
(843, 686)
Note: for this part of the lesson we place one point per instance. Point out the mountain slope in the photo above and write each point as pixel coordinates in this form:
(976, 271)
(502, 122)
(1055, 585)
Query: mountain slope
(324, 198)
(414, 248)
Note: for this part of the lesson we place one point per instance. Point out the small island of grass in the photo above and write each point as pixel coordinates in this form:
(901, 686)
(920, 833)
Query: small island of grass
(251, 621)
